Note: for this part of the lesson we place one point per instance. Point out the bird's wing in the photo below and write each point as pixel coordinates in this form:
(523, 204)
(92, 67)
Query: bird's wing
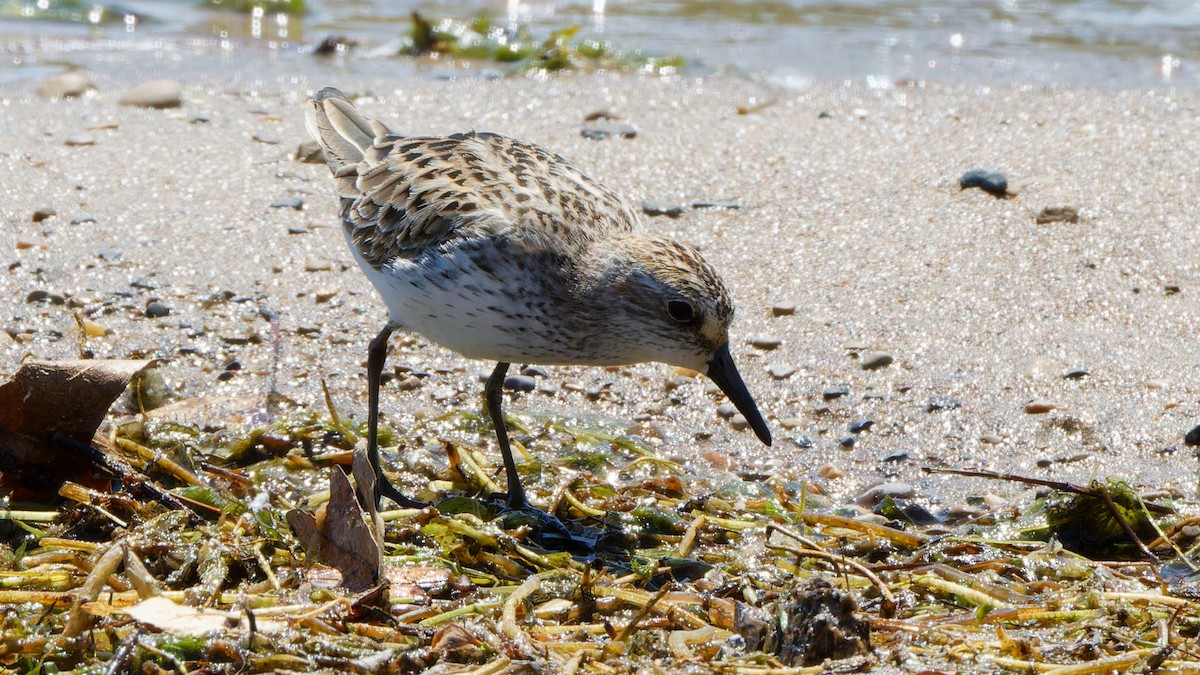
(403, 194)
(421, 191)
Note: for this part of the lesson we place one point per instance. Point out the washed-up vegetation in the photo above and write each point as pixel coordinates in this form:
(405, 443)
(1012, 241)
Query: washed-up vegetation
(482, 40)
(201, 535)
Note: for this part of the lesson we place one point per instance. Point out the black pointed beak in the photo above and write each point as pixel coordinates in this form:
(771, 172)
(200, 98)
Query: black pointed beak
(722, 371)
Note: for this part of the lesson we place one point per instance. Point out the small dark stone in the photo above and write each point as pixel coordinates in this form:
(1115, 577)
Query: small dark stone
(601, 129)
(40, 295)
(233, 365)
(824, 115)
(874, 396)
(1171, 289)
(876, 360)
(860, 425)
(520, 383)
(992, 182)
(847, 441)
(942, 403)
(297, 230)
(835, 392)
(294, 202)
(709, 204)
(200, 119)
(1193, 437)
(802, 442)
(655, 208)
(1044, 463)
(42, 214)
(226, 375)
(534, 371)
(157, 310)
(309, 152)
(1075, 374)
(896, 456)
(144, 283)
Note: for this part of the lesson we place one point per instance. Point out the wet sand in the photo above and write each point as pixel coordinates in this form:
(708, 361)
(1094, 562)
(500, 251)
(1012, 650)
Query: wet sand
(849, 209)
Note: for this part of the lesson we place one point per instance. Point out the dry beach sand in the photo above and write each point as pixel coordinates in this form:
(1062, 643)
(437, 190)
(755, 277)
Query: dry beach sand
(854, 217)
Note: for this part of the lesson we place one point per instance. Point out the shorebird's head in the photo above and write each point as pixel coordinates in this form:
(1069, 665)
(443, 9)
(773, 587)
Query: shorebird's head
(679, 299)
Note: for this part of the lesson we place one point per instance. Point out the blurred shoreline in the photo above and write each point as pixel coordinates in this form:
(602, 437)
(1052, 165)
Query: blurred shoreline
(788, 44)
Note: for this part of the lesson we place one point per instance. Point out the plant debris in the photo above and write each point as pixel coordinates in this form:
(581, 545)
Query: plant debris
(261, 569)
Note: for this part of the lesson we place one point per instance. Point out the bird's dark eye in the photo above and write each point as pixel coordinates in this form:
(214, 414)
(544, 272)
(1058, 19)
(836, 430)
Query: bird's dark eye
(681, 310)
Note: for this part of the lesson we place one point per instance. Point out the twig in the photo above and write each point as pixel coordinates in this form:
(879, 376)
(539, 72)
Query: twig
(642, 613)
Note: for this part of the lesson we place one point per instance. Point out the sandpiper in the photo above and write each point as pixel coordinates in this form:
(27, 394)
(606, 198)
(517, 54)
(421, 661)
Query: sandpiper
(502, 250)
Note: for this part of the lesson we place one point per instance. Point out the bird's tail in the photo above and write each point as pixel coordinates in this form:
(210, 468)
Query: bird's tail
(345, 136)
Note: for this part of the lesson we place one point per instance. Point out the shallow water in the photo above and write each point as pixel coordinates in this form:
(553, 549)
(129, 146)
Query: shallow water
(1082, 42)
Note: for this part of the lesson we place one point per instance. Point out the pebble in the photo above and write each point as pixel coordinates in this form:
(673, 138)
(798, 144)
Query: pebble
(876, 360)
(1058, 214)
(534, 371)
(708, 204)
(155, 94)
(109, 255)
(40, 295)
(65, 85)
(309, 152)
(791, 422)
(298, 230)
(157, 310)
(726, 411)
(657, 208)
(835, 392)
(600, 129)
(739, 422)
(1192, 437)
(802, 442)
(288, 202)
(780, 371)
(1158, 383)
(42, 214)
(830, 472)
(520, 383)
(860, 425)
(992, 439)
(1040, 407)
(409, 383)
(317, 265)
(80, 220)
(325, 295)
(765, 343)
(847, 441)
(876, 494)
(992, 182)
(783, 309)
(896, 456)
(942, 403)
(1075, 374)
(1171, 289)
(267, 140)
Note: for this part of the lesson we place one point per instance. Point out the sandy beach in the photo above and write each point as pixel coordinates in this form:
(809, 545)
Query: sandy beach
(850, 211)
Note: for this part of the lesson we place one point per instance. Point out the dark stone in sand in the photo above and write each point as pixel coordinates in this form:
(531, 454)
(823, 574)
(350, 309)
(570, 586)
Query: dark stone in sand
(1193, 437)
(942, 403)
(992, 182)
(42, 214)
(860, 425)
(601, 129)
(846, 441)
(896, 456)
(835, 392)
(1075, 374)
(288, 202)
(157, 310)
(520, 383)
(654, 208)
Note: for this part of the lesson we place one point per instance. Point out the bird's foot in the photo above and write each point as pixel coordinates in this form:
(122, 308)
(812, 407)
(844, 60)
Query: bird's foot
(385, 489)
(548, 532)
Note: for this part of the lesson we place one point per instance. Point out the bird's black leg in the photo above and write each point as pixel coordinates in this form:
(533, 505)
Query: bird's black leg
(376, 356)
(493, 395)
